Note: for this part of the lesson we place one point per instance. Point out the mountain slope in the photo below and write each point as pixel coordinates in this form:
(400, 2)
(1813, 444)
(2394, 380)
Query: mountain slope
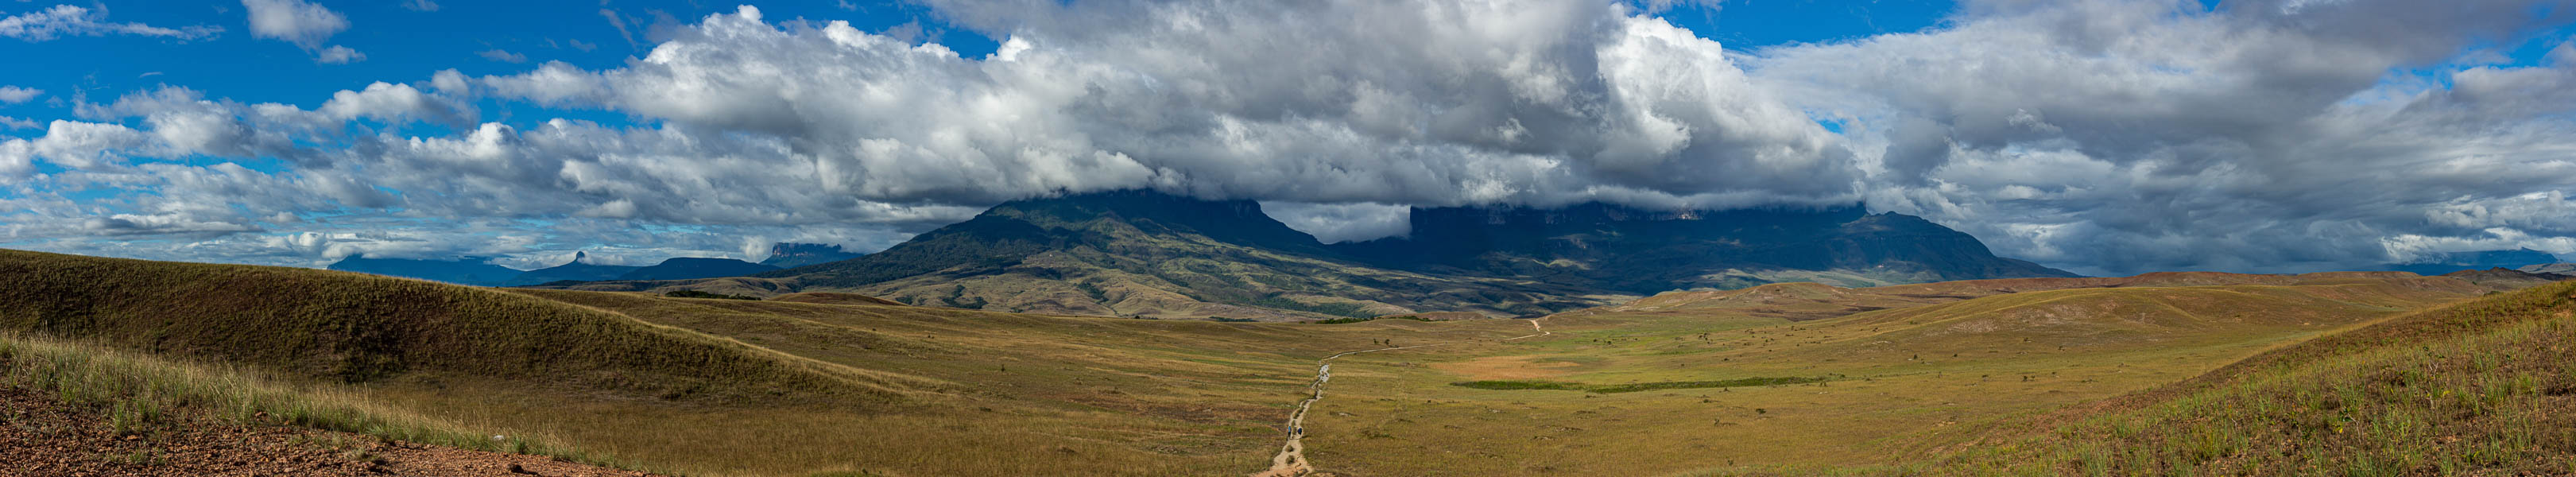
(821, 385)
(1631, 250)
(1156, 255)
(2465, 261)
(792, 255)
(579, 269)
(466, 271)
(2474, 388)
(358, 328)
(683, 268)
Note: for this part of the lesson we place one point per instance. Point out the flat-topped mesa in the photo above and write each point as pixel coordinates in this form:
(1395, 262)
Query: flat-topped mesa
(1637, 250)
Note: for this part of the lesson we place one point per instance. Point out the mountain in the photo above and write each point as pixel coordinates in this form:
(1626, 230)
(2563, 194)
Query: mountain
(1149, 254)
(1625, 249)
(792, 255)
(1136, 253)
(2481, 260)
(468, 271)
(2506, 277)
(579, 269)
(2558, 268)
(683, 268)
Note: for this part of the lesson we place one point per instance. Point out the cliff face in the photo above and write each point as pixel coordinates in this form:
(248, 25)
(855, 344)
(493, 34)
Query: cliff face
(1645, 251)
(792, 255)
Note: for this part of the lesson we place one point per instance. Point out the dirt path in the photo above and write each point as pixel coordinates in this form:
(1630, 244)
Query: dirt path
(1291, 461)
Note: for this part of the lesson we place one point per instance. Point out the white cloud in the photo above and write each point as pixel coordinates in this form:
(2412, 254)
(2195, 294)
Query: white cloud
(306, 25)
(294, 21)
(502, 56)
(66, 20)
(14, 94)
(336, 54)
(2106, 136)
(420, 5)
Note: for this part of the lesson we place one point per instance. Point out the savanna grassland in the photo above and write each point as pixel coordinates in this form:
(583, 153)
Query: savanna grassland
(2190, 374)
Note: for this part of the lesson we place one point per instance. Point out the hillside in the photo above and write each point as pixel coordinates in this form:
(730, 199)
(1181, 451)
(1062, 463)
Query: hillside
(465, 271)
(1786, 379)
(2474, 388)
(693, 386)
(684, 268)
(1613, 247)
(2444, 263)
(356, 328)
(792, 255)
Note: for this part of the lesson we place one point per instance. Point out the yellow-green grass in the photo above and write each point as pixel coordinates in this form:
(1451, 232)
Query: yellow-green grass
(1900, 379)
(2485, 387)
(140, 394)
(851, 386)
(725, 387)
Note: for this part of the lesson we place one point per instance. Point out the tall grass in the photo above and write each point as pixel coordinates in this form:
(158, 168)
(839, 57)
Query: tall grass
(139, 393)
(2478, 388)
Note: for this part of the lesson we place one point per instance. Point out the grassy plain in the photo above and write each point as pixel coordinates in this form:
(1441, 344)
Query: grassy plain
(1895, 382)
(2110, 376)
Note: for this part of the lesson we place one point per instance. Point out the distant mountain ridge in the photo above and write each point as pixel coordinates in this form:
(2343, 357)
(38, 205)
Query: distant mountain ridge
(463, 271)
(1137, 253)
(1151, 254)
(2479, 260)
(478, 273)
(792, 255)
(1633, 250)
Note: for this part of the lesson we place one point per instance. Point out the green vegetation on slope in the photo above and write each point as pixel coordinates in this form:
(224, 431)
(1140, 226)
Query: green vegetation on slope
(1635, 387)
(1941, 365)
(358, 328)
(826, 383)
(2477, 388)
(141, 392)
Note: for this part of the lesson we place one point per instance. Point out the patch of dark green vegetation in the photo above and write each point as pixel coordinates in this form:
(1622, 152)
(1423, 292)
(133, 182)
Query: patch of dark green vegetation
(700, 294)
(1353, 310)
(1548, 385)
(1337, 321)
(1231, 320)
(1634, 387)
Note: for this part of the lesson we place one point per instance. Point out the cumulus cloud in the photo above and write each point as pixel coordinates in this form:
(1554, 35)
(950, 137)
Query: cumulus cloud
(306, 25)
(14, 94)
(67, 20)
(2105, 136)
(2117, 137)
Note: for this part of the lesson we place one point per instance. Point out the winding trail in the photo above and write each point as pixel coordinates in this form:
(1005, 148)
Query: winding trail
(1291, 461)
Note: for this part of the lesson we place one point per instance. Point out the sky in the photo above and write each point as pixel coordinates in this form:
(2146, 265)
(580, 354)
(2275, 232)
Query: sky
(2106, 137)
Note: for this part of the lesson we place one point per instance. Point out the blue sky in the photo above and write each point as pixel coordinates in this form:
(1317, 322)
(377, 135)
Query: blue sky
(2102, 136)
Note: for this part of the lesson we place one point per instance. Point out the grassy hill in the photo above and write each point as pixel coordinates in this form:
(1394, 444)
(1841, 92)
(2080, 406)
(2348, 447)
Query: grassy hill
(2476, 388)
(696, 386)
(1774, 381)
